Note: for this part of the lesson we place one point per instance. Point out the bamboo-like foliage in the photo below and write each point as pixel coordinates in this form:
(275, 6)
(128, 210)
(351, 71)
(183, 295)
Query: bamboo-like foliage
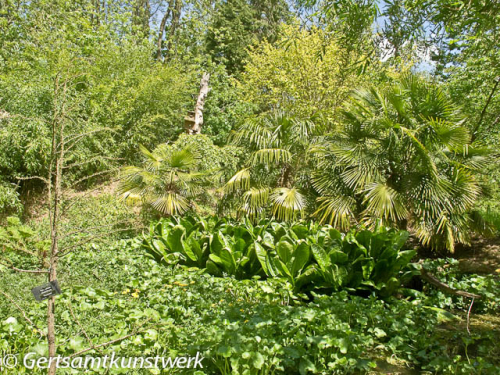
(402, 156)
(167, 180)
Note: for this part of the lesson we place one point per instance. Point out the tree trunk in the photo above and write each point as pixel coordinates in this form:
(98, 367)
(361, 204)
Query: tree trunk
(176, 16)
(140, 16)
(162, 29)
(193, 125)
(54, 256)
(58, 151)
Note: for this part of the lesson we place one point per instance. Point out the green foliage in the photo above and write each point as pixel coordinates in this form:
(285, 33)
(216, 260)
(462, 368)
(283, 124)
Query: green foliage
(19, 241)
(492, 216)
(26, 245)
(238, 326)
(236, 25)
(211, 157)
(223, 110)
(255, 296)
(276, 166)
(304, 73)
(174, 175)
(168, 180)
(349, 21)
(309, 257)
(9, 199)
(363, 260)
(447, 270)
(116, 86)
(402, 157)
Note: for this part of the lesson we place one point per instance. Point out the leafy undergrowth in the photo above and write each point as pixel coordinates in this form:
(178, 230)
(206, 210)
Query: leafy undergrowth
(240, 326)
(448, 271)
(309, 256)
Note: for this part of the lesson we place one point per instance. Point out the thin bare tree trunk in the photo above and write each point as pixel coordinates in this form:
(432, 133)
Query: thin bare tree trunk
(162, 29)
(58, 150)
(176, 16)
(200, 104)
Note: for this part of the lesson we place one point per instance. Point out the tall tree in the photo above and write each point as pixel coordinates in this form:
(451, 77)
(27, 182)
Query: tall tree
(238, 24)
(141, 14)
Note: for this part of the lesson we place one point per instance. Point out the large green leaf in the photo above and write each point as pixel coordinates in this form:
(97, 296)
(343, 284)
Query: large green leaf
(262, 257)
(174, 238)
(283, 269)
(338, 257)
(285, 251)
(321, 257)
(301, 258)
(192, 249)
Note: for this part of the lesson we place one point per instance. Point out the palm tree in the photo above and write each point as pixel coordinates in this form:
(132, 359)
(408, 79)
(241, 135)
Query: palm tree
(403, 158)
(278, 144)
(168, 180)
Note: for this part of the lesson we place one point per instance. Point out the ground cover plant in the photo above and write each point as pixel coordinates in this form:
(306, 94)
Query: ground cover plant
(242, 326)
(258, 186)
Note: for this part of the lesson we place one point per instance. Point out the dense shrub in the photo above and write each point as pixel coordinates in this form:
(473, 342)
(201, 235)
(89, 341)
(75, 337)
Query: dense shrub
(9, 200)
(308, 256)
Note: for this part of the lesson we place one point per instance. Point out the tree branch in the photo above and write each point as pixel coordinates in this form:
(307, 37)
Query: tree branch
(81, 230)
(81, 328)
(444, 287)
(483, 112)
(11, 267)
(90, 161)
(22, 312)
(135, 332)
(66, 250)
(93, 175)
(33, 178)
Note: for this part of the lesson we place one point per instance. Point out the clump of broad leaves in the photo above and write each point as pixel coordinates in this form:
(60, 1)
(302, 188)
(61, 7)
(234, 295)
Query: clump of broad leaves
(308, 256)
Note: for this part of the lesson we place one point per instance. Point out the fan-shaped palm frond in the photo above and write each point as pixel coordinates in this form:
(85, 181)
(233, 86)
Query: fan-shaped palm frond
(269, 156)
(254, 132)
(287, 203)
(166, 181)
(427, 195)
(447, 134)
(383, 202)
(182, 159)
(241, 180)
(337, 211)
(255, 201)
(169, 204)
(470, 157)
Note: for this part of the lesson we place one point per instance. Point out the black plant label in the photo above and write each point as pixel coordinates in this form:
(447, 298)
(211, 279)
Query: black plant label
(45, 291)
